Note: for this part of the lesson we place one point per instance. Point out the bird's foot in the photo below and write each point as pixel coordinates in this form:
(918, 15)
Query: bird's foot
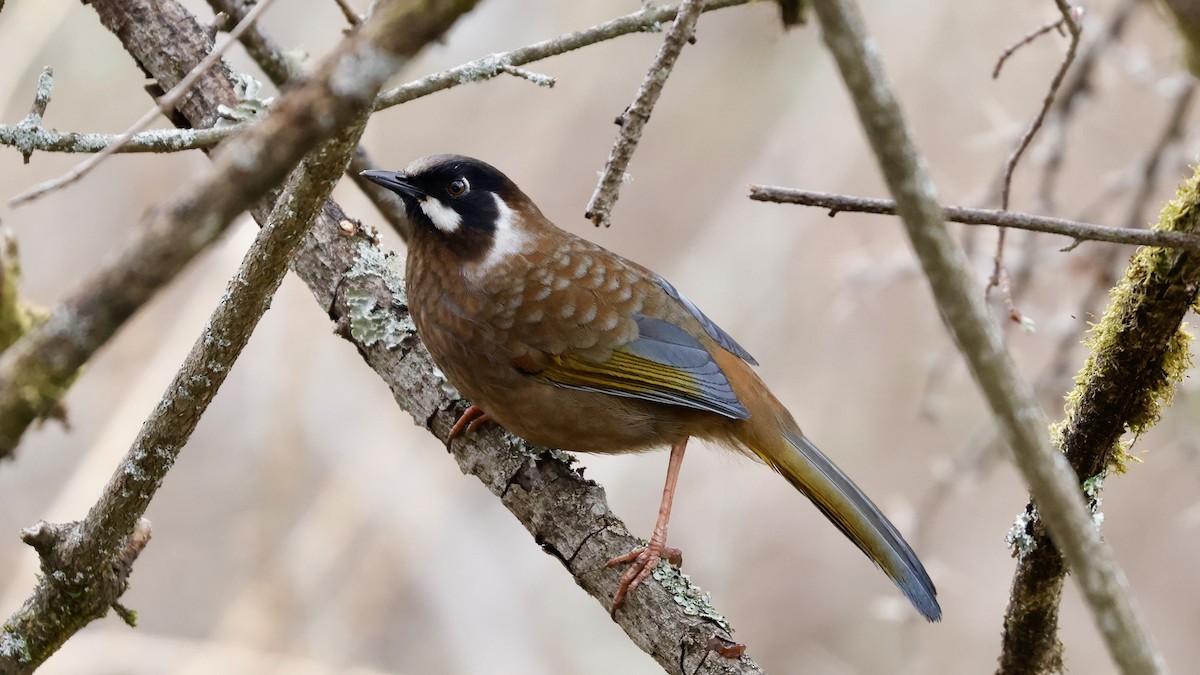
(642, 561)
(471, 418)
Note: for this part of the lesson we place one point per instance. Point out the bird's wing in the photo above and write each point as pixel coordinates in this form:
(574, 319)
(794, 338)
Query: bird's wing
(663, 364)
(617, 329)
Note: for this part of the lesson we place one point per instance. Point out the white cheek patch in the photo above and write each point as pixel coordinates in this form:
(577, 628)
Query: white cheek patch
(443, 217)
(508, 240)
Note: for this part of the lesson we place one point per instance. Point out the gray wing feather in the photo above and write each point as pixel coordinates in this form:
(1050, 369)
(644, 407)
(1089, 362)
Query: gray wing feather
(670, 345)
(714, 331)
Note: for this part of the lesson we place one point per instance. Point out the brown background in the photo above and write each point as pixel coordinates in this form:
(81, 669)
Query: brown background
(310, 527)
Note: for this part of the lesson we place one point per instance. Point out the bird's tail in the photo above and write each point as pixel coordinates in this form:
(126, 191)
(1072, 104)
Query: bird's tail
(781, 445)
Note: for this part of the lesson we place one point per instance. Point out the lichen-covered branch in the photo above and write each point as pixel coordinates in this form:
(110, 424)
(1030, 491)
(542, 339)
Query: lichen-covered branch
(1139, 353)
(1022, 221)
(30, 139)
(281, 68)
(1053, 485)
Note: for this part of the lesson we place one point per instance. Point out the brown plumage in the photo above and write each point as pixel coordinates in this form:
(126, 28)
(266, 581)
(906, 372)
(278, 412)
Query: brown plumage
(569, 345)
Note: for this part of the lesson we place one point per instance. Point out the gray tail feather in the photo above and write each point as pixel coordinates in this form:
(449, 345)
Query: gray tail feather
(860, 520)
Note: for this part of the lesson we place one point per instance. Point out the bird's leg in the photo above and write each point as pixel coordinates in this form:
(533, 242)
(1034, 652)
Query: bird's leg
(645, 558)
(471, 418)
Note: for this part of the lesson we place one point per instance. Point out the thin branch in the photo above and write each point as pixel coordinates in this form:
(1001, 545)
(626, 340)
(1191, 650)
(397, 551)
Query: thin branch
(352, 17)
(1072, 24)
(645, 20)
(1070, 19)
(1054, 486)
(633, 120)
(30, 138)
(1079, 231)
(1027, 39)
(165, 105)
(1077, 83)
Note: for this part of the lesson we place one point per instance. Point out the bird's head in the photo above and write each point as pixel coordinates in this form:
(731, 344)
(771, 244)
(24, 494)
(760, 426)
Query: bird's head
(468, 205)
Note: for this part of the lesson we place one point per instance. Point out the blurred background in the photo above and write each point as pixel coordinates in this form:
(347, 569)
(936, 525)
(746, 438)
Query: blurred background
(310, 527)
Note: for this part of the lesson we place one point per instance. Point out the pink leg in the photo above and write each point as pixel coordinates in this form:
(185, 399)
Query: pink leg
(645, 558)
(471, 418)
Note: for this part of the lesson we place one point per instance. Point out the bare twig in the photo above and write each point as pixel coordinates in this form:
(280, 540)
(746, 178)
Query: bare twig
(537, 78)
(1030, 37)
(1077, 83)
(642, 21)
(164, 106)
(1052, 483)
(1022, 221)
(1070, 19)
(634, 119)
(352, 16)
(1071, 22)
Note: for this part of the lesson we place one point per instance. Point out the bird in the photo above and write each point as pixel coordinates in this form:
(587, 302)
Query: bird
(571, 346)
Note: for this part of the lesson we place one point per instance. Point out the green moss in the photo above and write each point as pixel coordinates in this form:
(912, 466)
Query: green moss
(1150, 270)
(16, 317)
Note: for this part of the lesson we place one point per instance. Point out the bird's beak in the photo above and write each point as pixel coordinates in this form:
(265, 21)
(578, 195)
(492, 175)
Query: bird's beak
(395, 181)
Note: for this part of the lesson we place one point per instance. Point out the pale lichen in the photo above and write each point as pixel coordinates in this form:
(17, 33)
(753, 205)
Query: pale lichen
(14, 647)
(1020, 538)
(371, 323)
(691, 599)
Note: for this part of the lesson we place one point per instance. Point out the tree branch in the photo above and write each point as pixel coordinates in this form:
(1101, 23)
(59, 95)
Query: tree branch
(1054, 486)
(1075, 229)
(635, 117)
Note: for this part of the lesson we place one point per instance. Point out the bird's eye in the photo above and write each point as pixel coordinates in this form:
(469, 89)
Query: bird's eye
(458, 187)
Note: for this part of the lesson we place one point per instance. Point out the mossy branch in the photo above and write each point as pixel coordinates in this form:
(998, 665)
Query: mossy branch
(1139, 354)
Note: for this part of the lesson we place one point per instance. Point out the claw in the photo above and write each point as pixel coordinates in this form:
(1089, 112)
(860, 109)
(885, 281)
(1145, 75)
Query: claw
(644, 559)
(471, 418)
